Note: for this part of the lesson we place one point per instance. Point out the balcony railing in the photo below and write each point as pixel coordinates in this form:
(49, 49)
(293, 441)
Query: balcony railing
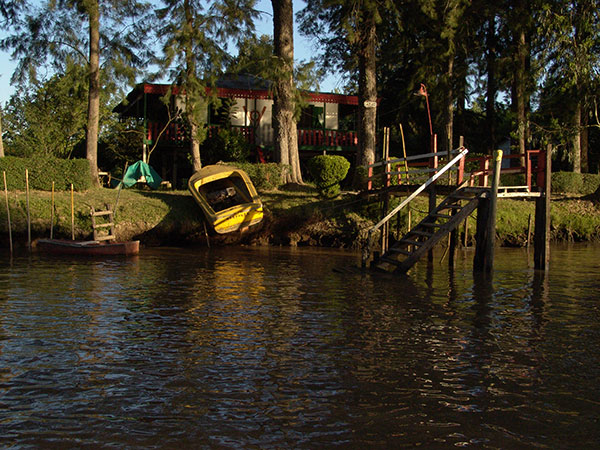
(177, 134)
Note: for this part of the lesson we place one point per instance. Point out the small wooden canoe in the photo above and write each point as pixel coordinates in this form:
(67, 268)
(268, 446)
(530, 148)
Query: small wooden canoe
(227, 198)
(87, 248)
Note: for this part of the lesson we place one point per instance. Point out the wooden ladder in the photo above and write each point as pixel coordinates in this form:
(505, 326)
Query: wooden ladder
(105, 230)
(446, 217)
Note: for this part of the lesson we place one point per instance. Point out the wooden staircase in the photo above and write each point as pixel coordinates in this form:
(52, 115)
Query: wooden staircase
(446, 217)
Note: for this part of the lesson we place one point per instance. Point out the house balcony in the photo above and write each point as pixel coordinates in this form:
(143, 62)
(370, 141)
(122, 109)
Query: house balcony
(309, 140)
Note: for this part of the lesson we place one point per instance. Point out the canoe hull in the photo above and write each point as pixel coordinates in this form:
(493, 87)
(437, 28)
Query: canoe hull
(87, 248)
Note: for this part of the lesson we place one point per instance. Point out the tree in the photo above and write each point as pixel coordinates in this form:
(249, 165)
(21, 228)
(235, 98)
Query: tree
(49, 117)
(572, 61)
(347, 30)
(52, 33)
(285, 129)
(194, 41)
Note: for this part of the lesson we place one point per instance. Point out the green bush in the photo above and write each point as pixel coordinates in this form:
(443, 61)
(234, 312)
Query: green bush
(328, 171)
(591, 183)
(567, 182)
(265, 177)
(43, 170)
(226, 145)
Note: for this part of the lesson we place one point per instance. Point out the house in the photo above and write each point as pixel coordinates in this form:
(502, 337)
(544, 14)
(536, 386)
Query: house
(327, 123)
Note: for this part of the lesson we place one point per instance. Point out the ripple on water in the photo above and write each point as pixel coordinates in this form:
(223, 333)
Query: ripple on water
(271, 349)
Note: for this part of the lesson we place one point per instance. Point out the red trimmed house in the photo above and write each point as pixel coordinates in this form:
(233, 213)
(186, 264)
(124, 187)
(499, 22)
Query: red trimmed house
(327, 123)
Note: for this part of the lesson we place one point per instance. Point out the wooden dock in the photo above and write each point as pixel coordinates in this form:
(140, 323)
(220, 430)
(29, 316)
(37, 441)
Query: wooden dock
(477, 191)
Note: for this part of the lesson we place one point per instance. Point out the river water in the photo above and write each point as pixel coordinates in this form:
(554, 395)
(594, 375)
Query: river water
(279, 348)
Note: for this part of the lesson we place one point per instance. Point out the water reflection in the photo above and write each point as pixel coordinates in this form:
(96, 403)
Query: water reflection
(272, 348)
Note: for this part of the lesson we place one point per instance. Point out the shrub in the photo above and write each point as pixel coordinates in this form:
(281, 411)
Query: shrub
(328, 171)
(43, 170)
(265, 177)
(227, 144)
(591, 183)
(563, 182)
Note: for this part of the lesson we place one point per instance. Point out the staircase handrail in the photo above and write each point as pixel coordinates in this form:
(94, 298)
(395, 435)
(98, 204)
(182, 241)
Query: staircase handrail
(366, 251)
(412, 158)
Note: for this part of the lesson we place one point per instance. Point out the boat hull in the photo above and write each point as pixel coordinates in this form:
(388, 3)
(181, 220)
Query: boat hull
(87, 248)
(227, 198)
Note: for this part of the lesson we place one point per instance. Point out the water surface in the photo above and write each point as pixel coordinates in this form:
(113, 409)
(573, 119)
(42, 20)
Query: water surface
(273, 348)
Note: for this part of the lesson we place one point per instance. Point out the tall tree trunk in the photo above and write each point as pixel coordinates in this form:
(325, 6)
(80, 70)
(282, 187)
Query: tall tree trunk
(195, 147)
(521, 89)
(367, 91)
(191, 88)
(576, 138)
(449, 116)
(585, 122)
(285, 128)
(94, 91)
(1, 141)
(492, 88)
(461, 95)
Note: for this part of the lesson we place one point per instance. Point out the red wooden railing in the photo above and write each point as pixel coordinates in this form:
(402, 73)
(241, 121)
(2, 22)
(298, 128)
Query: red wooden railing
(327, 138)
(535, 167)
(177, 133)
(534, 170)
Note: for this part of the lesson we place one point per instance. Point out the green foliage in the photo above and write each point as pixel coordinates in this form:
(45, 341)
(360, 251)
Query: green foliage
(48, 117)
(43, 170)
(575, 183)
(328, 171)
(591, 183)
(121, 142)
(227, 144)
(265, 177)
(567, 182)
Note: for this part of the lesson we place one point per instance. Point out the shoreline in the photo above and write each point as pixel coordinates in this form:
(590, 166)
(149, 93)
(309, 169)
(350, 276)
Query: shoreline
(292, 218)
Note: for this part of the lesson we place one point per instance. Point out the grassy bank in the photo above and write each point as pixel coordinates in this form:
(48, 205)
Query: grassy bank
(293, 217)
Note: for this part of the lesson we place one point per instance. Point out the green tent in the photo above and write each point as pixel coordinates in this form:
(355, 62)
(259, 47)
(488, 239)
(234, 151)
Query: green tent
(141, 172)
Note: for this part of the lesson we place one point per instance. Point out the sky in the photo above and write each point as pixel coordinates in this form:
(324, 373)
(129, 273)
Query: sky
(304, 49)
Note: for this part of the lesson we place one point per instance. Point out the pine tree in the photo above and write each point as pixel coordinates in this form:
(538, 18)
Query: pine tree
(348, 31)
(54, 33)
(194, 36)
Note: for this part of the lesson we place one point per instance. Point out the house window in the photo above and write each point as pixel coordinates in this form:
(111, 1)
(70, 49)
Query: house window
(347, 117)
(312, 117)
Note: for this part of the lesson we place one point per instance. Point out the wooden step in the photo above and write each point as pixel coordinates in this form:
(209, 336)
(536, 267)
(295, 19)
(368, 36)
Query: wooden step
(419, 233)
(104, 225)
(101, 213)
(104, 238)
(430, 225)
(409, 242)
(399, 250)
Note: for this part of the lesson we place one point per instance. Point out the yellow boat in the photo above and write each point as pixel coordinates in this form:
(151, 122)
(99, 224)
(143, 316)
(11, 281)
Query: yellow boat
(227, 197)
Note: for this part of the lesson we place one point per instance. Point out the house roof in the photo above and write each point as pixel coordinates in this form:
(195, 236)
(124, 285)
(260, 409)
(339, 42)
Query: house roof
(230, 85)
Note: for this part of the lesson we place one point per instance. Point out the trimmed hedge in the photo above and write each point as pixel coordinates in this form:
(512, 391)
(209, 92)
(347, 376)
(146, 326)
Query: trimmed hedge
(328, 171)
(575, 183)
(44, 170)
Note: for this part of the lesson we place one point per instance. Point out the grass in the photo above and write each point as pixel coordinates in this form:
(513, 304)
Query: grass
(293, 217)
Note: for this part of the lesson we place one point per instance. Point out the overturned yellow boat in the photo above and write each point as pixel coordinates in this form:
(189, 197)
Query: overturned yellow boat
(227, 197)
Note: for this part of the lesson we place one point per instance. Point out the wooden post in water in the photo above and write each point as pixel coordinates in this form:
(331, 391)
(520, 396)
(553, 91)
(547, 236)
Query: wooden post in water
(28, 212)
(52, 211)
(453, 238)
(486, 223)
(10, 243)
(541, 237)
(72, 215)
(385, 229)
(432, 190)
